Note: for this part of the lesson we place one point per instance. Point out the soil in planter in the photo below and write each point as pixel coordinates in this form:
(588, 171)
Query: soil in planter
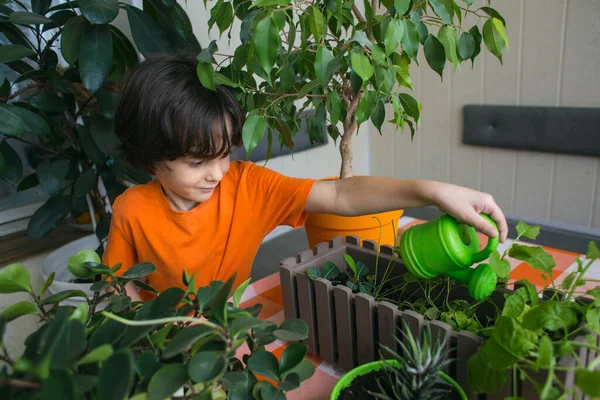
(361, 385)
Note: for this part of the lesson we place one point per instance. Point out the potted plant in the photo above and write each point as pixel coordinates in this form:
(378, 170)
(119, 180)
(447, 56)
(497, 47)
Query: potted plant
(499, 341)
(61, 73)
(185, 343)
(416, 373)
(344, 60)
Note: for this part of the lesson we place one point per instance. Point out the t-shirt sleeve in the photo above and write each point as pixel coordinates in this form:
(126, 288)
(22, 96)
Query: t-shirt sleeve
(119, 248)
(277, 199)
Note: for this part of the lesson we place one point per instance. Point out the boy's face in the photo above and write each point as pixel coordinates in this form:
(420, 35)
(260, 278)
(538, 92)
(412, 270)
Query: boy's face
(190, 181)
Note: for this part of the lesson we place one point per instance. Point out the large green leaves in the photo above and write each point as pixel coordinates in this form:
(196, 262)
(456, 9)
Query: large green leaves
(116, 375)
(362, 66)
(253, 131)
(410, 39)
(51, 175)
(28, 18)
(393, 35)
(588, 382)
(48, 216)
(448, 36)
(70, 344)
(322, 60)
(14, 52)
(13, 166)
(70, 40)
(266, 43)
(99, 11)
(205, 366)
(551, 315)
(206, 75)
(186, 338)
(264, 363)
(16, 120)
(494, 37)
(95, 56)
(18, 309)
(535, 256)
(443, 9)
(14, 278)
(435, 54)
(167, 381)
(148, 34)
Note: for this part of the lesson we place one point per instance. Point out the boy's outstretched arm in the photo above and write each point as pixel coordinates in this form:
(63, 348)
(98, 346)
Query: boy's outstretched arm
(362, 195)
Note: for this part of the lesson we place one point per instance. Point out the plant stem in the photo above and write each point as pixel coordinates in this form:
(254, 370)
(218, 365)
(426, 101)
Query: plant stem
(20, 92)
(160, 321)
(20, 383)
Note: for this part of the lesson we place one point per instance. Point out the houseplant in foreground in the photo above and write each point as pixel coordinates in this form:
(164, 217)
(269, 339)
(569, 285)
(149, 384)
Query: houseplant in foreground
(183, 342)
(343, 63)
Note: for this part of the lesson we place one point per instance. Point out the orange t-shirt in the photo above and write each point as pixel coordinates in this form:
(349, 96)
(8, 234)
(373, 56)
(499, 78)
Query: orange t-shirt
(215, 239)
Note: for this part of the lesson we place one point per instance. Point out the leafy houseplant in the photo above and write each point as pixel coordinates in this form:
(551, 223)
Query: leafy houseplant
(62, 68)
(182, 343)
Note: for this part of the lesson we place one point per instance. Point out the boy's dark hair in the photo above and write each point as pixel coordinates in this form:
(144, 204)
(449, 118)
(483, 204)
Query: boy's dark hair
(165, 113)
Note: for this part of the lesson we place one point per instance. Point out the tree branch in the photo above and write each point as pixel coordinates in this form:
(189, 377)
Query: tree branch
(20, 92)
(357, 13)
(20, 383)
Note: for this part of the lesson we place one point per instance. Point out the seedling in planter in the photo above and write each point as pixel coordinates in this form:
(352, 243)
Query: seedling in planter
(358, 279)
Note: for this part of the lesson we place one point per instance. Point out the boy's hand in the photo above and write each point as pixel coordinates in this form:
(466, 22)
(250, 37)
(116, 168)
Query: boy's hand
(465, 205)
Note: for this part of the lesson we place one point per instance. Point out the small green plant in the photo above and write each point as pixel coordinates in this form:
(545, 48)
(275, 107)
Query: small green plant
(416, 373)
(357, 276)
(183, 343)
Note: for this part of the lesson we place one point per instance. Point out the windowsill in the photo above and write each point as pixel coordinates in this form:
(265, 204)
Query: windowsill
(16, 246)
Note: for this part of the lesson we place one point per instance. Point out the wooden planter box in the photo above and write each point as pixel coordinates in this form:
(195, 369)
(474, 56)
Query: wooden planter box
(346, 329)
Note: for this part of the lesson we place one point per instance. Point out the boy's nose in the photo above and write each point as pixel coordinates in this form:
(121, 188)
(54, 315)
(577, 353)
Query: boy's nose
(215, 172)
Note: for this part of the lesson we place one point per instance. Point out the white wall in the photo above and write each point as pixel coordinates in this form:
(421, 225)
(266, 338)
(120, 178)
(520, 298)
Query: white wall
(553, 60)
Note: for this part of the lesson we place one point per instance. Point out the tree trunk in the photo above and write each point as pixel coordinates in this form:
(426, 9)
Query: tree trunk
(346, 147)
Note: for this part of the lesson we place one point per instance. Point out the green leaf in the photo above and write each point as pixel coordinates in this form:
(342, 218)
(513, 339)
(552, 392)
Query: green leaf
(243, 324)
(474, 31)
(290, 382)
(286, 76)
(70, 345)
(222, 14)
(166, 302)
(593, 319)
(147, 363)
(493, 13)
(70, 40)
(351, 263)
(512, 337)
(587, 381)
(218, 307)
(362, 66)
(410, 39)
(95, 56)
(13, 166)
(292, 356)
(185, 338)
(443, 9)
(292, 330)
(366, 105)
(265, 364)
(545, 357)
(139, 270)
(435, 54)
(60, 296)
(266, 43)
(167, 381)
(410, 106)
(402, 6)
(393, 36)
(206, 75)
(50, 176)
(313, 273)
(206, 366)
(595, 293)
(528, 231)
(116, 375)
(482, 378)
(593, 252)
(466, 46)
(17, 310)
(494, 38)
(28, 18)
(535, 256)
(148, 34)
(59, 385)
(85, 183)
(48, 216)
(99, 11)
(47, 102)
(308, 87)
(14, 52)
(448, 36)
(269, 3)
(322, 60)
(551, 315)
(305, 369)
(14, 278)
(501, 267)
(253, 131)
(330, 270)
(99, 354)
(316, 23)
(239, 292)
(334, 107)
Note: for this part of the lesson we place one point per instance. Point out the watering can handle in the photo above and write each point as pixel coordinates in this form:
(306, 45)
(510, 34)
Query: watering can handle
(491, 244)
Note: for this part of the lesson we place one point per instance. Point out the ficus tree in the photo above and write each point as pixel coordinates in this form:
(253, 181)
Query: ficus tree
(342, 60)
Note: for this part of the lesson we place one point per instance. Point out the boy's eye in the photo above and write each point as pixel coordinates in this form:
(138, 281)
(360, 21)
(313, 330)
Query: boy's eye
(196, 164)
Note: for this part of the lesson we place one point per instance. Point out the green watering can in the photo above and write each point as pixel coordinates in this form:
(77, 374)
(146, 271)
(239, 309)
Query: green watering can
(445, 246)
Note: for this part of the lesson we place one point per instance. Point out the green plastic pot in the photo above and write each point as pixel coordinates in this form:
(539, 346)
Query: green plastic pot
(364, 369)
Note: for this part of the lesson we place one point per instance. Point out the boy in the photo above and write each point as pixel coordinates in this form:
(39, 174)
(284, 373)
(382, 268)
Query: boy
(206, 214)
